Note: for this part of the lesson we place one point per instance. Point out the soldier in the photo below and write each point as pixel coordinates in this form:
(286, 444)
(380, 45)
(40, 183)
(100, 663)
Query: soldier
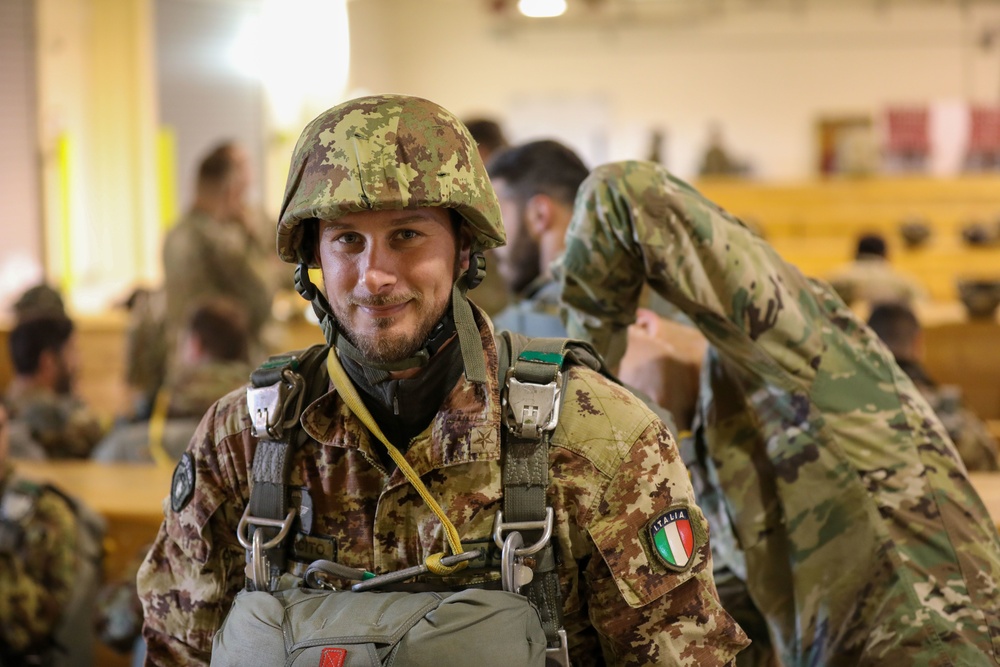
(535, 185)
(212, 251)
(900, 330)
(388, 195)
(860, 537)
(40, 573)
(41, 396)
(871, 279)
(212, 360)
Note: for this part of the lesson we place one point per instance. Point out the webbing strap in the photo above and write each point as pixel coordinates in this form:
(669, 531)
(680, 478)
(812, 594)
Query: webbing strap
(269, 497)
(353, 400)
(526, 469)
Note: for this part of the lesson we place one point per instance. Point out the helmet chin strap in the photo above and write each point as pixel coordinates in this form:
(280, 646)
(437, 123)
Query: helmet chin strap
(460, 319)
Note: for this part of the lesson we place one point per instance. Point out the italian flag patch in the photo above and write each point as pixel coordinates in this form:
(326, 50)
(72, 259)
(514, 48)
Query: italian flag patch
(673, 538)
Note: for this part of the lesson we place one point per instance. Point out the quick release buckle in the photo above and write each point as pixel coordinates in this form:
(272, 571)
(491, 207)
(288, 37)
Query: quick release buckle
(531, 408)
(268, 405)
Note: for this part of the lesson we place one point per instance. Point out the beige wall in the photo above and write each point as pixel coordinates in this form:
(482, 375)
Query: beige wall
(97, 142)
(765, 76)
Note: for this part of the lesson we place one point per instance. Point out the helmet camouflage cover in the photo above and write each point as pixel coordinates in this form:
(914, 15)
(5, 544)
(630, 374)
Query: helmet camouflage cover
(386, 152)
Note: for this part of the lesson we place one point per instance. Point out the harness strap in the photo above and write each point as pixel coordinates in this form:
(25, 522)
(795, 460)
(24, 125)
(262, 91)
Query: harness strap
(532, 385)
(274, 399)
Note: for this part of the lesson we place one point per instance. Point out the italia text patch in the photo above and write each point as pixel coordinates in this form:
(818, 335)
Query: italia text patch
(673, 538)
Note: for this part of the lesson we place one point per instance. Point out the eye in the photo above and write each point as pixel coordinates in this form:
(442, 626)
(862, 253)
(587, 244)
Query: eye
(348, 238)
(408, 234)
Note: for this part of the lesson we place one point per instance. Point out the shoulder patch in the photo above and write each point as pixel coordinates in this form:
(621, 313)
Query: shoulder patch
(182, 484)
(674, 538)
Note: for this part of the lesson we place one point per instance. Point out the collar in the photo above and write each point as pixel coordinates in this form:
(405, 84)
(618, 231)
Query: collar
(465, 428)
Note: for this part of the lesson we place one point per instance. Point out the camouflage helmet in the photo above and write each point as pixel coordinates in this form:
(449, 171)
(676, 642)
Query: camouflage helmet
(386, 152)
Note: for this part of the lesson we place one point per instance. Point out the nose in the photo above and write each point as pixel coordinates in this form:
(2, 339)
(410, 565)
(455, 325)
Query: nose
(379, 270)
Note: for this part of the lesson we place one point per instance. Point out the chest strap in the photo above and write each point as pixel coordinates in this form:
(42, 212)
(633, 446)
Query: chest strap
(274, 400)
(531, 399)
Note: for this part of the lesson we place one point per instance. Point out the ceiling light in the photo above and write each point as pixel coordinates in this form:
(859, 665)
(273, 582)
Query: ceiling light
(542, 8)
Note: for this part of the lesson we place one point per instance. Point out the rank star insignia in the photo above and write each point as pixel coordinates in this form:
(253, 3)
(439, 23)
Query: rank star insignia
(673, 538)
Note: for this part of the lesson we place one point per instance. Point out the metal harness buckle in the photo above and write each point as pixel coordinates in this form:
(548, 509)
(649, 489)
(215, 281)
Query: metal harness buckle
(258, 569)
(268, 405)
(530, 408)
(545, 525)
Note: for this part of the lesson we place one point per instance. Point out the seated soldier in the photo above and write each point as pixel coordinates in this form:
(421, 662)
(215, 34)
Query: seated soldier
(41, 397)
(872, 279)
(900, 330)
(212, 360)
(49, 571)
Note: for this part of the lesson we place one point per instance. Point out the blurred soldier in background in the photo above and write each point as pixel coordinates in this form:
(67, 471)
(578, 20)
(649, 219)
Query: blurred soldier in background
(212, 360)
(488, 135)
(39, 300)
(871, 278)
(50, 564)
(535, 184)
(900, 330)
(214, 251)
(41, 396)
(832, 491)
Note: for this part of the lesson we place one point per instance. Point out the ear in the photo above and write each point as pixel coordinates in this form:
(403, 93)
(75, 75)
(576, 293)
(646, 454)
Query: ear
(464, 249)
(539, 212)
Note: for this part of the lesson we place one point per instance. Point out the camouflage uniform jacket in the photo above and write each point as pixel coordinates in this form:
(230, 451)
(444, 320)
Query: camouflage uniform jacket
(609, 477)
(63, 426)
(205, 258)
(864, 542)
(38, 545)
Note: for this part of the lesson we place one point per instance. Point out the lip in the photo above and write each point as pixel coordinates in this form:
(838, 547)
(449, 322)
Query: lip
(383, 311)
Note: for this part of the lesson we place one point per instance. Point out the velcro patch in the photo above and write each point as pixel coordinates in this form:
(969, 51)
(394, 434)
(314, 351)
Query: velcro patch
(674, 538)
(182, 484)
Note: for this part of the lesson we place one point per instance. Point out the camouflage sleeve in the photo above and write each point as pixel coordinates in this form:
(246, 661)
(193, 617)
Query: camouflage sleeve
(653, 600)
(36, 579)
(195, 567)
(635, 223)
(647, 577)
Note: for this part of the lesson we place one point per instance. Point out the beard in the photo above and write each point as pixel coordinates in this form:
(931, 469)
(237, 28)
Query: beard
(383, 346)
(522, 259)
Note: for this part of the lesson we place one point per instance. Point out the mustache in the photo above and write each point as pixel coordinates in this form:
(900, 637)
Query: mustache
(382, 300)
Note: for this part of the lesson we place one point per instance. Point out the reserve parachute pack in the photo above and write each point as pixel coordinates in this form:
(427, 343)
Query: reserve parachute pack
(71, 643)
(298, 619)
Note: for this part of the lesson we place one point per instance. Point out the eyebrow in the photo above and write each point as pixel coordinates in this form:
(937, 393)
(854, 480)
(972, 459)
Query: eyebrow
(398, 222)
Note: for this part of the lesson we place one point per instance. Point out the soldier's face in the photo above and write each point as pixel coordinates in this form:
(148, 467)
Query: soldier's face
(388, 276)
(518, 260)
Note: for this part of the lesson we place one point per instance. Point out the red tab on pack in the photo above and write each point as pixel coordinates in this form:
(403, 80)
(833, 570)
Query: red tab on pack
(332, 657)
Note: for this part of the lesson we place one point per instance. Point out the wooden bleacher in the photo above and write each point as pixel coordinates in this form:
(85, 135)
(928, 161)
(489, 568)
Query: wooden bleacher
(815, 225)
